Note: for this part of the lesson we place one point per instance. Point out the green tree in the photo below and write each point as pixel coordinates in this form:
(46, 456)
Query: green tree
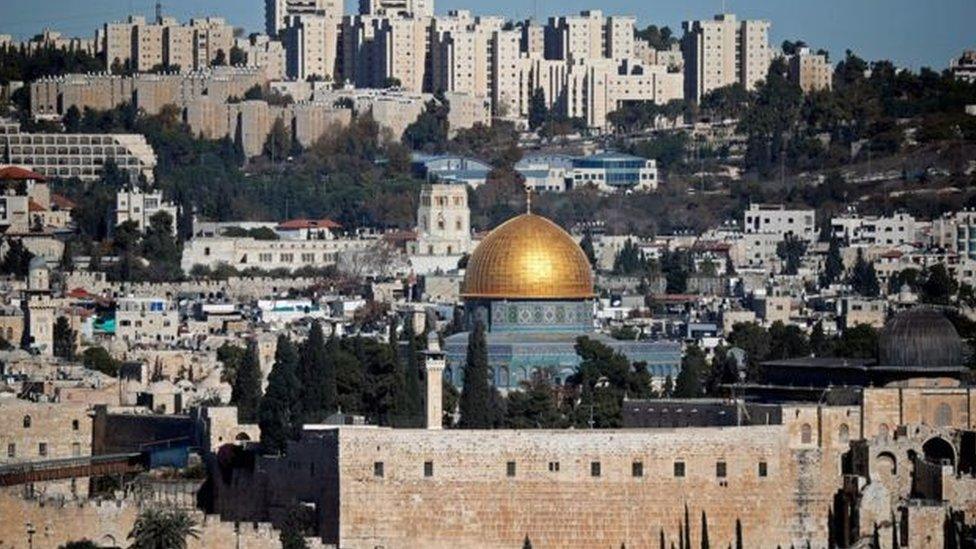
(429, 132)
(246, 393)
(586, 243)
(80, 544)
(279, 414)
(162, 529)
(658, 38)
(863, 278)
(861, 341)
(938, 286)
(476, 393)
(538, 110)
(787, 341)
(17, 260)
(833, 264)
(64, 339)
(534, 407)
(629, 260)
(693, 366)
(72, 119)
(237, 56)
(230, 356)
(820, 344)
(412, 372)
(318, 377)
(294, 528)
(98, 359)
(527, 543)
(278, 145)
(602, 379)
(161, 248)
(754, 340)
(791, 250)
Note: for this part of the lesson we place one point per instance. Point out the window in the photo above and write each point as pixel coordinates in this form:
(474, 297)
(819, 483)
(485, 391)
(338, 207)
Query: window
(844, 435)
(42, 449)
(594, 468)
(679, 469)
(806, 434)
(428, 468)
(763, 469)
(553, 466)
(378, 469)
(11, 450)
(720, 469)
(637, 469)
(75, 449)
(75, 425)
(510, 468)
(27, 422)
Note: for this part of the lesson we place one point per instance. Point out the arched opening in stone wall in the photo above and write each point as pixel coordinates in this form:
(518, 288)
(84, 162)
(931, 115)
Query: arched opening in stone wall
(938, 450)
(844, 433)
(806, 434)
(943, 415)
(886, 464)
(27, 422)
(883, 431)
(107, 540)
(242, 437)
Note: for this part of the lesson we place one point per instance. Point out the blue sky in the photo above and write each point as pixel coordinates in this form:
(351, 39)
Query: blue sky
(911, 33)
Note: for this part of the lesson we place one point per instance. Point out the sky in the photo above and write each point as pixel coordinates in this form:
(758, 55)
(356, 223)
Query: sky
(911, 33)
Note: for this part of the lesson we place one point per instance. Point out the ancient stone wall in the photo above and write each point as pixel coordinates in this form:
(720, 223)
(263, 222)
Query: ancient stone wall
(408, 488)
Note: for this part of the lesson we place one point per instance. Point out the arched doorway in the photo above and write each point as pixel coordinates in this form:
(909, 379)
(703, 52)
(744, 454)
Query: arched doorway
(938, 450)
(242, 437)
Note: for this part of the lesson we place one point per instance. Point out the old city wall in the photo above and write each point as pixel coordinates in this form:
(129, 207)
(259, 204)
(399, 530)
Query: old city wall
(469, 500)
(108, 523)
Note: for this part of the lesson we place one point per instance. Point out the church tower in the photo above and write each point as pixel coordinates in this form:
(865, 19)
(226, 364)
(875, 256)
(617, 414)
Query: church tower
(443, 228)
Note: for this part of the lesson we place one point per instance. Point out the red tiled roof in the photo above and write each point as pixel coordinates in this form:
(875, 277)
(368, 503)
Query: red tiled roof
(33, 206)
(892, 254)
(62, 202)
(16, 173)
(79, 293)
(297, 224)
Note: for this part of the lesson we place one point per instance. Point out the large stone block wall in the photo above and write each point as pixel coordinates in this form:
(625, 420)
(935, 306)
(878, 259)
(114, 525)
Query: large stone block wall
(64, 429)
(471, 501)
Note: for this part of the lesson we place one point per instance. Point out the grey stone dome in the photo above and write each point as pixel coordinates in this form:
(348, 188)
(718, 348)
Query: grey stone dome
(920, 338)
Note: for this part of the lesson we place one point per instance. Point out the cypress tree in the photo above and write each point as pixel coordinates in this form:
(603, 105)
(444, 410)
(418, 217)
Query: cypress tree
(688, 384)
(661, 537)
(412, 371)
(246, 392)
(401, 412)
(317, 376)
(527, 544)
(279, 414)
(63, 339)
(476, 409)
(687, 529)
(587, 245)
(738, 534)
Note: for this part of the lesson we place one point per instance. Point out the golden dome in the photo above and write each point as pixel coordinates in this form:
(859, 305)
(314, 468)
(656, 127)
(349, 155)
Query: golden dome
(528, 257)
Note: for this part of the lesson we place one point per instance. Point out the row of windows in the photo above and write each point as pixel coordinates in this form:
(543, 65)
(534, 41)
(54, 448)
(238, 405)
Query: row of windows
(42, 449)
(28, 421)
(596, 469)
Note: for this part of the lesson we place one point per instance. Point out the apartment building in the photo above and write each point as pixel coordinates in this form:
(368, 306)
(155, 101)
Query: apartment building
(142, 46)
(140, 206)
(244, 253)
(310, 43)
(964, 66)
(146, 320)
(277, 11)
(416, 8)
(264, 53)
(51, 97)
(76, 155)
(724, 51)
(811, 71)
(589, 35)
(777, 219)
(854, 229)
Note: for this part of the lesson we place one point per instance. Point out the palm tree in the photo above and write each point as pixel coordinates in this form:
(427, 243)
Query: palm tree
(162, 529)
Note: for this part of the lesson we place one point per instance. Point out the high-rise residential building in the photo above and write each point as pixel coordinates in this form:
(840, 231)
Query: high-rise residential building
(964, 67)
(724, 51)
(415, 8)
(811, 71)
(276, 11)
(310, 43)
(589, 35)
(401, 52)
(261, 51)
(143, 46)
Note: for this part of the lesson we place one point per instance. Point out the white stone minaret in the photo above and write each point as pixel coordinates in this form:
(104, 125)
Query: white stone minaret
(434, 366)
